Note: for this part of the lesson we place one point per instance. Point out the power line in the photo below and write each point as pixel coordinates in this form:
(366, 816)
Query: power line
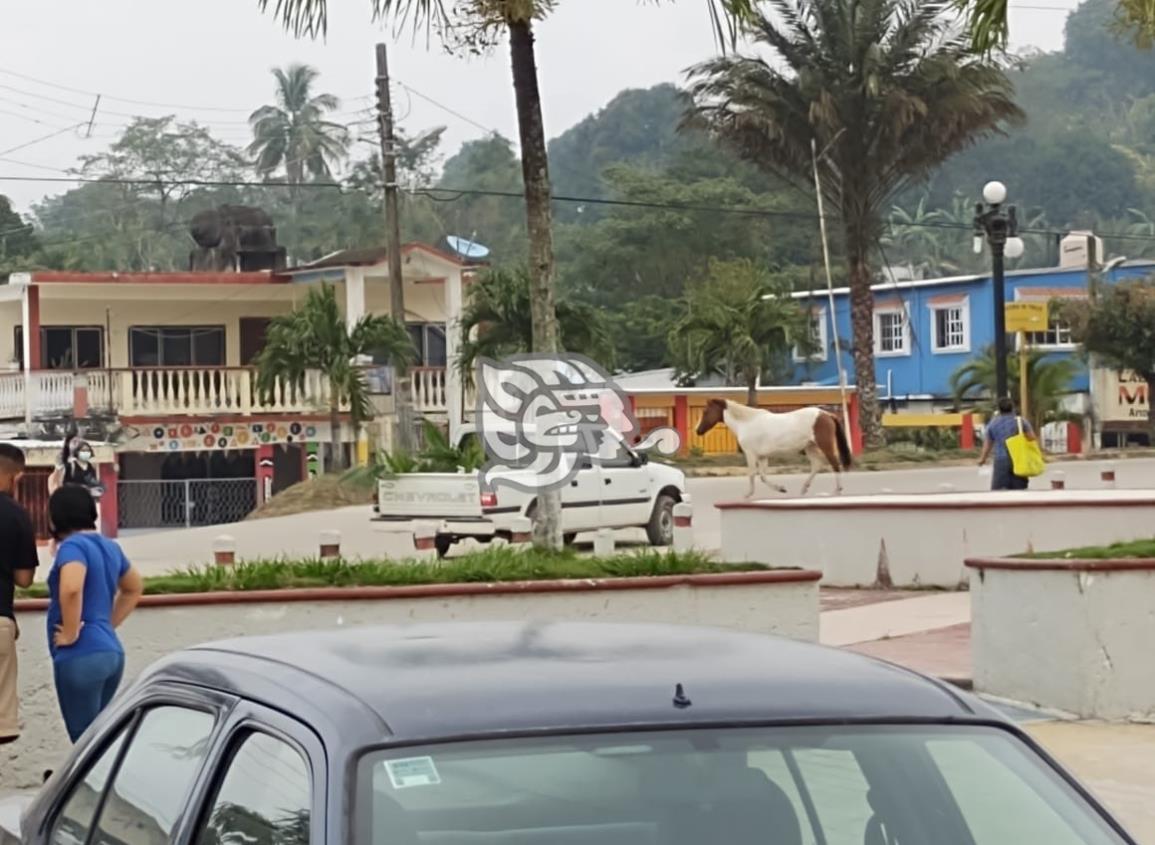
(455, 194)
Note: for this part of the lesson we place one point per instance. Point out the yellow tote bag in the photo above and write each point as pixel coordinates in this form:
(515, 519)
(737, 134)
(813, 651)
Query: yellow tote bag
(1026, 456)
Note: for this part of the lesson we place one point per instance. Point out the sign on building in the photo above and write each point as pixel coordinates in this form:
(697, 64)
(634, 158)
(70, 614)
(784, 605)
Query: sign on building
(1120, 396)
(1026, 316)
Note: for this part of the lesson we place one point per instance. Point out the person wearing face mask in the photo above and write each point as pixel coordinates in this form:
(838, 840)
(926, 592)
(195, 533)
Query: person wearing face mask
(76, 469)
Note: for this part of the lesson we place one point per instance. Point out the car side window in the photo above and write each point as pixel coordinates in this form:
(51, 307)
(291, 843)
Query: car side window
(264, 798)
(79, 809)
(150, 788)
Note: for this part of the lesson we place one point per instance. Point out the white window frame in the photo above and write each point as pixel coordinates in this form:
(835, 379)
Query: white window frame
(1070, 346)
(818, 317)
(964, 307)
(879, 352)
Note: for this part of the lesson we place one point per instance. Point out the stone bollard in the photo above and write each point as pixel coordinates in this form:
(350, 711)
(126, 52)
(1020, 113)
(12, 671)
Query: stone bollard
(604, 542)
(1058, 480)
(683, 527)
(224, 550)
(425, 540)
(1107, 476)
(330, 544)
(521, 531)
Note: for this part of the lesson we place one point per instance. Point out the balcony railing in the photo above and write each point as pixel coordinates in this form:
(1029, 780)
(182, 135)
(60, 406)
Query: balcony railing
(176, 391)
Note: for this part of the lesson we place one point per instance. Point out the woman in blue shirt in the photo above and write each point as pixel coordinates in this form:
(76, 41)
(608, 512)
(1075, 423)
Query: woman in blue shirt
(92, 590)
(1002, 428)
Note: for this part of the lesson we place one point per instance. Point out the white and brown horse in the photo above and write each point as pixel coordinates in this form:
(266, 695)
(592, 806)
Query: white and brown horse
(762, 434)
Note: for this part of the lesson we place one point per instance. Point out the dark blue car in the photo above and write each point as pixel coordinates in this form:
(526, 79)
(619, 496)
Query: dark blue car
(552, 734)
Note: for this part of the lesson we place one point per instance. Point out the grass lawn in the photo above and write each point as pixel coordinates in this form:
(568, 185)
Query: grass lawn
(1116, 551)
(489, 565)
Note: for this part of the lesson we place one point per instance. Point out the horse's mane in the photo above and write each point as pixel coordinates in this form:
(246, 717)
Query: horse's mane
(742, 412)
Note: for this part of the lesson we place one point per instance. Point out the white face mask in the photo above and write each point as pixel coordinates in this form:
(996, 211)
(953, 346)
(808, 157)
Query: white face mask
(84, 456)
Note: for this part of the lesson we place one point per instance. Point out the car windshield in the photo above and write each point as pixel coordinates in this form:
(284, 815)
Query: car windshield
(767, 786)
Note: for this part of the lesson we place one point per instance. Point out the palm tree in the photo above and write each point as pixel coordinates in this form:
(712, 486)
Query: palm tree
(497, 322)
(885, 90)
(316, 337)
(482, 20)
(1048, 381)
(294, 135)
(736, 322)
(988, 29)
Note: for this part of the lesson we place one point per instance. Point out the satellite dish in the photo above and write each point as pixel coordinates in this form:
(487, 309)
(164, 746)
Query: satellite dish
(466, 248)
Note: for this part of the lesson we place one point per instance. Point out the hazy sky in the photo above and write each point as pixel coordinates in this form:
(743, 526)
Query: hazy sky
(210, 61)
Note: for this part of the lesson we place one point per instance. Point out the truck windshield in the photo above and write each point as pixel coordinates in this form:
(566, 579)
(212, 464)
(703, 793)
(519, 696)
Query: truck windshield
(767, 786)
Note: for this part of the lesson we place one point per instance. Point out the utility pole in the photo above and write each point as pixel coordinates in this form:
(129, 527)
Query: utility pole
(401, 398)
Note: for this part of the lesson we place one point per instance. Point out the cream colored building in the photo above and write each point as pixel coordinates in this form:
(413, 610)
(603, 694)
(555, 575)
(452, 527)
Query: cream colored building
(161, 364)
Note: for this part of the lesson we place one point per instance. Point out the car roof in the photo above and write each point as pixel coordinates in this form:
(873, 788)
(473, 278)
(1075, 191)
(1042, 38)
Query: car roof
(449, 680)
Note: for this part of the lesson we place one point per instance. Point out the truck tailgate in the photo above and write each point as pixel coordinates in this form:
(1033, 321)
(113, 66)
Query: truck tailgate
(429, 496)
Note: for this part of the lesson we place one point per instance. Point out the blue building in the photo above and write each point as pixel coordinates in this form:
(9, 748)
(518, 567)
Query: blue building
(925, 330)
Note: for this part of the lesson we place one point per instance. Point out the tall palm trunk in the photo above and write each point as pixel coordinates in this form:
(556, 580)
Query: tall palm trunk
(535, 172)
(752, 390)
(862, 326)
(336, 453)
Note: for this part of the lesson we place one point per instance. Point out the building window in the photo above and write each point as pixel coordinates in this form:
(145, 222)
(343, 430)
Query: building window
(950, 323)
(429, 340)
(176, 346)
(1057, 335)
(891, 332)
(818, 338)
(66, 347)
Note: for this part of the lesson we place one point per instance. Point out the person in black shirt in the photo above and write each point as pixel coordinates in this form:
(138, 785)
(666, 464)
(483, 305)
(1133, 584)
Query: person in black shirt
(18, 562)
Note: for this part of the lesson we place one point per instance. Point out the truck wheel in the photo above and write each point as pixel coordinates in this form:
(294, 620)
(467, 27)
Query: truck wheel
(442, 544)
(660, 530)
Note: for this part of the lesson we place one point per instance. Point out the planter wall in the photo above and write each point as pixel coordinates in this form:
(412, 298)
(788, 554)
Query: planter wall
(1069, 635)
(783, 602)
(921, 541)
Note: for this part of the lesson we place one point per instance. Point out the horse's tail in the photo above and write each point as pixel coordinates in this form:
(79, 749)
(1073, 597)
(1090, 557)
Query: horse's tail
(844, 453)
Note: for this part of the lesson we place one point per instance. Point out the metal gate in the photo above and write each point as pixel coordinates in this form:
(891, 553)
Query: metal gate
(189, 502)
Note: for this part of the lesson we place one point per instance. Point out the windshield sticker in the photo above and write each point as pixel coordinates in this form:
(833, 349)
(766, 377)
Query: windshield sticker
(414, 771)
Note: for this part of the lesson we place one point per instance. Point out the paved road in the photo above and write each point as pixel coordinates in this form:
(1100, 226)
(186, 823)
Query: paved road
(159, 551)
(706, 492)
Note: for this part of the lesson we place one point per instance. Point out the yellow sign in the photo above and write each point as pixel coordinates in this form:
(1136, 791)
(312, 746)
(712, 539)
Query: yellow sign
(1027, 316)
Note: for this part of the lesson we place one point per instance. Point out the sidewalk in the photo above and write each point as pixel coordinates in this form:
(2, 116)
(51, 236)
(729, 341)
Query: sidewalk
(931, 634)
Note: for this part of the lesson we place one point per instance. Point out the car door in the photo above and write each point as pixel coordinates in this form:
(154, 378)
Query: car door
(269, 783)
(626, 491)
(135, 779)
(582, 499)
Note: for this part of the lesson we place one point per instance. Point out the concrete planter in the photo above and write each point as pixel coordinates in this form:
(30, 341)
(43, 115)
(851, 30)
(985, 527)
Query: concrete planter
(921, 541)
(1071, 635)
(783, 602)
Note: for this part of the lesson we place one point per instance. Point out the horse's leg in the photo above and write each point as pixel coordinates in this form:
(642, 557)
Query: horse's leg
(830, 450)
(763, 473)
(815, 456)
(751, 470)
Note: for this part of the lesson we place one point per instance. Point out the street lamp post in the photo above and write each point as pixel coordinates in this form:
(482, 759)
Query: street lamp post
(998, 224)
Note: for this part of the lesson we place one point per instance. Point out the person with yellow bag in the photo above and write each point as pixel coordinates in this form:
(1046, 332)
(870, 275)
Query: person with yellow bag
(1017, 456)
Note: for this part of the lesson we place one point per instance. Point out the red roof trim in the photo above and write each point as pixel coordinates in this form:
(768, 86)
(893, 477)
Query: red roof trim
(180, 278)
(948, 299)
(1052, 293)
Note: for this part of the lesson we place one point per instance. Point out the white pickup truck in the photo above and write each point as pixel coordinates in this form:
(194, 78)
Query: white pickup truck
(625, 492)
